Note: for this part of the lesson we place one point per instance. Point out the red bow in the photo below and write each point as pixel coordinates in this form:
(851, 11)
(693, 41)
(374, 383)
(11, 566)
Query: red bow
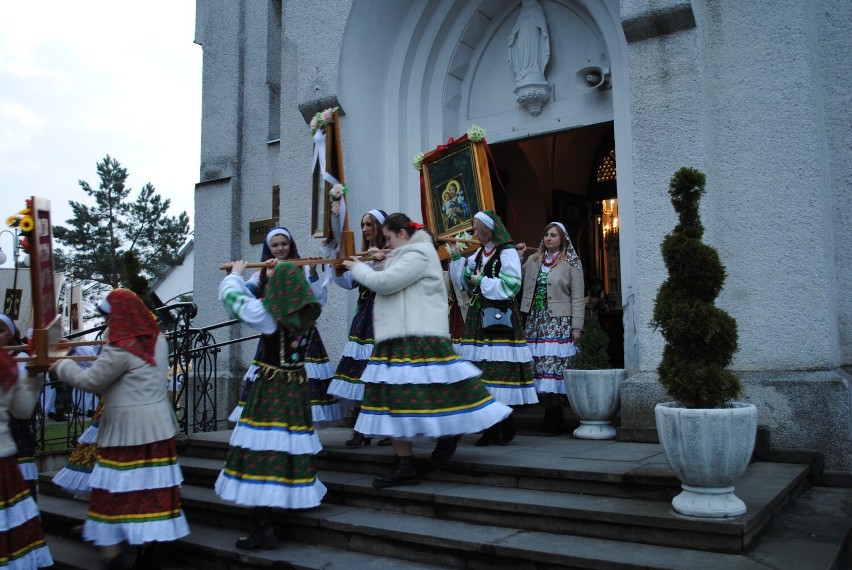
(415, 226)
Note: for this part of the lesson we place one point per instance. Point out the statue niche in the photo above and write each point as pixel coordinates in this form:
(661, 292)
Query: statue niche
(529, 53)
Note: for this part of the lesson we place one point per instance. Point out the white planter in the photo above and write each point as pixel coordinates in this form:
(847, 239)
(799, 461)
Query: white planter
(595, 396)
(708, 450)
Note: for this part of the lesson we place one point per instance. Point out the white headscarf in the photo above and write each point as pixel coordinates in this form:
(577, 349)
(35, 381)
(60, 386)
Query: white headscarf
(277, 232)
(485, 219)
(380, 217)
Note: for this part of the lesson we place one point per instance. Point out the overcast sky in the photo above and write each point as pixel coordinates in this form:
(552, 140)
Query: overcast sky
(80, 80)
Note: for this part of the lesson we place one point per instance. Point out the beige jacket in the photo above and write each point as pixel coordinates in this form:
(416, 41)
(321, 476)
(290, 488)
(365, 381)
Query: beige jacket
(136, 410)
(565, 290)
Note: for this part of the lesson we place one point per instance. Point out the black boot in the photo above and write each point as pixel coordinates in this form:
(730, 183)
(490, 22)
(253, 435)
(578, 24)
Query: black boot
(444, 449)
(506, 431)
(357, 440)
(261, 538)
(148, 558)
(489, 436)
(554, 420)
(384, 442)
(404, 473)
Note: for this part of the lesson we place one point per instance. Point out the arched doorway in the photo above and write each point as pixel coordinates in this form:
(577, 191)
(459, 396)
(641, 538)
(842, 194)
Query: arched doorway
(440, 67)
(569, 177)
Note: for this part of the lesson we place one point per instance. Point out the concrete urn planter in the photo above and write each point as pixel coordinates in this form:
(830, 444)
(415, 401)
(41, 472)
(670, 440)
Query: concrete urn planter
(595, 396)
(708, 450)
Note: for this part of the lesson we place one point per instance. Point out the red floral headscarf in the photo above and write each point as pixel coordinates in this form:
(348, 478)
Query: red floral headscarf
(8, 371)
(131, 325)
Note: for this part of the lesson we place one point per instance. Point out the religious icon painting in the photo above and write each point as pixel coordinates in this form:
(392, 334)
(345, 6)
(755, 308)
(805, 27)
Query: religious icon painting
(456, 185)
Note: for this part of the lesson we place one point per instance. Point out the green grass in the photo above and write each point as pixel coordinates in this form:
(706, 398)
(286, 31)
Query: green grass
(56, 437)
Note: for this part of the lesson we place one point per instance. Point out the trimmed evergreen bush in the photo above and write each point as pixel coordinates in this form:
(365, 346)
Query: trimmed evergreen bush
(700, 338)
(594, 345)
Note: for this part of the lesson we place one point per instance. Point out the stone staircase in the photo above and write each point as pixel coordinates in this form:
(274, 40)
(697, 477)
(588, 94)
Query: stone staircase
(541, 502)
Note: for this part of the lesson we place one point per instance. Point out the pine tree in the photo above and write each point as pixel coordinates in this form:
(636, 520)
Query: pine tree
(118, 240)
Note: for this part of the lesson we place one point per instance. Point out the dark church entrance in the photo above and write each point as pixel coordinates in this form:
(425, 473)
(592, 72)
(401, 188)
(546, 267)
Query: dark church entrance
(569, 177)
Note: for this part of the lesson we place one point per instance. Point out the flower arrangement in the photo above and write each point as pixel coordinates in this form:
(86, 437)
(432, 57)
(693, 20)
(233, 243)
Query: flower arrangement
(337, 192)
(418, 160)
(24, 221)
(322, 118)
(475, 133)
(463, 239)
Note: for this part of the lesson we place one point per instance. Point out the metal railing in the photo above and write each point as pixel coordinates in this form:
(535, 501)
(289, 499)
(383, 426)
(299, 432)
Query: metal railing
(192, 383)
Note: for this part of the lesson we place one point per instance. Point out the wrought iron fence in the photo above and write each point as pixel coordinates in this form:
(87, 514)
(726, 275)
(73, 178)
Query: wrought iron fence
(192, 383)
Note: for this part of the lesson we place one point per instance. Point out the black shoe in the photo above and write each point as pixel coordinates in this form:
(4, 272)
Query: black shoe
(384, 442)
(148, 558)
(357, 440)
(489, 436)
(554, 420)
(506, 431)
(404, 473)
(444, 449)
(262, 538)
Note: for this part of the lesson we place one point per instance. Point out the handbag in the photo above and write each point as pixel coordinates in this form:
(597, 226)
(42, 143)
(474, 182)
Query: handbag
(496, 320)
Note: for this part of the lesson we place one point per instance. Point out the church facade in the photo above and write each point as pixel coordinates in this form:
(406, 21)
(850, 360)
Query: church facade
(589, 107)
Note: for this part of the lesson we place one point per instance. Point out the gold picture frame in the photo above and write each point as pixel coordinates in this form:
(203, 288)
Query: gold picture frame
(457, 184)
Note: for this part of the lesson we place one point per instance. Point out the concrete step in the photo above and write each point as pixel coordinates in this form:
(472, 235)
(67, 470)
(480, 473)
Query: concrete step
(810, 533)
(546, 463)
(766, 488)
(334, 536)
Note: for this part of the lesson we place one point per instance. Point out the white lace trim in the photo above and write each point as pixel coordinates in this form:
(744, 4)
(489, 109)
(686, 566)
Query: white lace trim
(139, 479)
(380, 425)
(431, 373)
(105, 534)
(275, 439)
(269, 493)
(358, 351)
(494, 353)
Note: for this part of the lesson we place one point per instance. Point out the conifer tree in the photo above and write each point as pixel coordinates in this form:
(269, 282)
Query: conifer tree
(119, 240)
(701, 339)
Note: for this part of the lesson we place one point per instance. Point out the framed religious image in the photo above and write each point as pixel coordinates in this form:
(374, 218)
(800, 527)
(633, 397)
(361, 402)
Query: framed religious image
(332, 160)
(457, 186)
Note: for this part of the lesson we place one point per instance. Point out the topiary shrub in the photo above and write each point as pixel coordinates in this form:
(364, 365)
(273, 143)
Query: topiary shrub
(593, 349)
(700, 338)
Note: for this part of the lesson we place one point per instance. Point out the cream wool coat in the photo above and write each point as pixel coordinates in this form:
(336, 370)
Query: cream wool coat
(136, 410)
(411, 297)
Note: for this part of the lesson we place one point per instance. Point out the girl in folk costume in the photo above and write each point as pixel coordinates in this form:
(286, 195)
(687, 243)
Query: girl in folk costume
(270, 462)
(415, 385)
(553, 300)
(493, 276)
(135, 495)
(347, 378)
(22, 542)
(279, 245)
(75, 476)
(21, 429)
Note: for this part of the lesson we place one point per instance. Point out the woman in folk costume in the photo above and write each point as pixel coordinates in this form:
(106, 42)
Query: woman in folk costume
(279, 245)
(553, 300)
(347, 383)
(493, 276)
(22, 542)
(135, 495)
(270, 461)
(415, 385)
(21, 429)
(75, 476)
